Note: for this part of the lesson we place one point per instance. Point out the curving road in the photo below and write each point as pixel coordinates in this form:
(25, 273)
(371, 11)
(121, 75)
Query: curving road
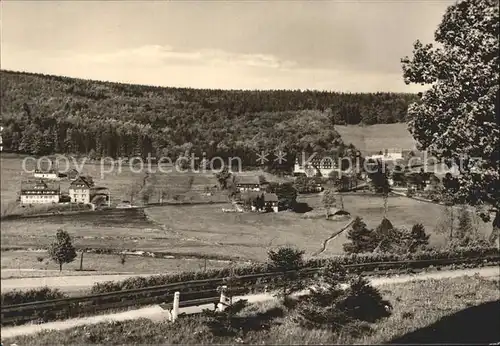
(156, 313)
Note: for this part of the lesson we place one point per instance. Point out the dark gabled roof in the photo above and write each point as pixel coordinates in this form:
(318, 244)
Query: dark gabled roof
(39, 185)
(247, 180)
(250, 195)
(82, 183)
(270, 197)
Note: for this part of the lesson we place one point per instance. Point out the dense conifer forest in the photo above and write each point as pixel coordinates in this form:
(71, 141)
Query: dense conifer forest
(43, 114)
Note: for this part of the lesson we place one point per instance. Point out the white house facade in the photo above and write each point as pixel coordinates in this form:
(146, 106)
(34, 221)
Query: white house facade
(79, 190)
(39, 192)
(388, 155)
(248, 183)
(313, 165)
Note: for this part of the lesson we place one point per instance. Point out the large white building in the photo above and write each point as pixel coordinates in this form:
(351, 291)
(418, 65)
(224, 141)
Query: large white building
(312, 165)
(388, 155)
(40, 192)
(46, 174)
(248, 183)
(79, 190)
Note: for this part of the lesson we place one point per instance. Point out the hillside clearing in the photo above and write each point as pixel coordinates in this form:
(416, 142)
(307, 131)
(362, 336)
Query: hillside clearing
(373, 138)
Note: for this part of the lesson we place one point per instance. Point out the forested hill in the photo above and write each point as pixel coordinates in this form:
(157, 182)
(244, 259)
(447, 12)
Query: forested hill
(43, 114)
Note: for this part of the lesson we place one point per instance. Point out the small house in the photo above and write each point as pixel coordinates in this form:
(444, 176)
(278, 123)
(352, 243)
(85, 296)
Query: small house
(248, 183)
(40, 192)
(271, 201)
(124, 205)
(79, 190)
(259, 201)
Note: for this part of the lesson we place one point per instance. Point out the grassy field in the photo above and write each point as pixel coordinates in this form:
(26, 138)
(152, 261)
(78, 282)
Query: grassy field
(434, 311)
(118, 182)
(201, 229)
(40, 265)
(402, 212)
(204, 231)
(377, 137)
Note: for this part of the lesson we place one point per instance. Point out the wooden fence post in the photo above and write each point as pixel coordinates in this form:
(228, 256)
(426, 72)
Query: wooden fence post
(223, 299)
(175, 307)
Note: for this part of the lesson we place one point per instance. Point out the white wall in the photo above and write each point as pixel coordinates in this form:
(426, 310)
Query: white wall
(79, 195)
(39, 199)
(52, 176)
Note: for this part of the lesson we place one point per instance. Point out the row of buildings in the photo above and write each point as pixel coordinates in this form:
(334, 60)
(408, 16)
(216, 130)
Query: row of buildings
(324, 165)
(45, 190)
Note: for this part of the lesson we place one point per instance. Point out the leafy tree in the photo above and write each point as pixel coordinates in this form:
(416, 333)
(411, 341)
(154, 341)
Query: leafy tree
(287, 260)
(189, 183)
(386, 236)
(223, 177)
(302, 184)
(466, 233)
(361, 238)
(418, 238)
(457, 118)
(398, 175)
(62, 250)
(464, 227)
(328, 200)
(287, 194)
(379, 182)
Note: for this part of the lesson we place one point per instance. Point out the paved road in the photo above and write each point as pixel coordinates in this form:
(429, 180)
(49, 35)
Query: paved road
(156, 313)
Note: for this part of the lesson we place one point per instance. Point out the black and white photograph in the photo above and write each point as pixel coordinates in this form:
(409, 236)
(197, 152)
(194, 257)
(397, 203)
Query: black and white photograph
(261, 172)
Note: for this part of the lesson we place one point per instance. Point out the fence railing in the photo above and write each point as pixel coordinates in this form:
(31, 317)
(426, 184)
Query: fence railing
(193, 292)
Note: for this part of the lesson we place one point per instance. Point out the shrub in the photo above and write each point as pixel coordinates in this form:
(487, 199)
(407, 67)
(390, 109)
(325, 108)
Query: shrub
(417, 238)
(287, 259)
(334, 308)
(364, 302)
(471, 255)
(34, 295)
(361, 238)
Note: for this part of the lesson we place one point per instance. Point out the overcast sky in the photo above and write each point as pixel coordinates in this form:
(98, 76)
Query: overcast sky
(352, 46)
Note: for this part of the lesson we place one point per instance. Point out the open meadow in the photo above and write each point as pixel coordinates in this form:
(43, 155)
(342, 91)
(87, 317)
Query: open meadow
(203, 230)
(401, 211)
(198, 230)
(24, 264)
(377, 137)
(178, 186)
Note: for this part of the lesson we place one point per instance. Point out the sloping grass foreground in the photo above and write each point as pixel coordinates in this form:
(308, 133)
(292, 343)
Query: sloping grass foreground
(418, 307)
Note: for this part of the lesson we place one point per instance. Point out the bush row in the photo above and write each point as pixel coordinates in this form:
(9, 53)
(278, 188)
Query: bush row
(260, 268)
(249, 285)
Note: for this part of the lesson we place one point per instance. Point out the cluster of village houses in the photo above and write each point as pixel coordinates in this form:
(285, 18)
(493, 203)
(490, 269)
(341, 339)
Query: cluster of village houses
(45, 188)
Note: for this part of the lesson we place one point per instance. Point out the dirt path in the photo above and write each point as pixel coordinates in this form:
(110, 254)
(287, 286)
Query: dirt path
(156, 313)
(65, 283)
(333, 236)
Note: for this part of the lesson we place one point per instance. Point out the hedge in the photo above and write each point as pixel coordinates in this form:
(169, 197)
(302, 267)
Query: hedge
(260, 268)
(470, 255)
